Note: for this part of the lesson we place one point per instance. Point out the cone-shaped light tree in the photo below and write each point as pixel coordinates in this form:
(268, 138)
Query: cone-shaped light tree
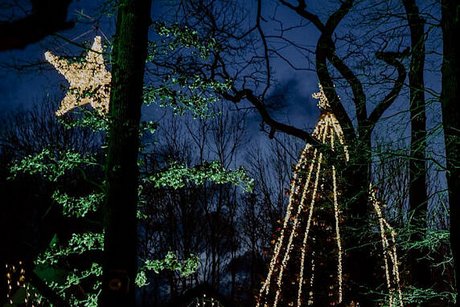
(307, 267)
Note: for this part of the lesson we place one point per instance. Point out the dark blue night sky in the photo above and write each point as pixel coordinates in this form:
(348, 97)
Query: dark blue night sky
(26, 78)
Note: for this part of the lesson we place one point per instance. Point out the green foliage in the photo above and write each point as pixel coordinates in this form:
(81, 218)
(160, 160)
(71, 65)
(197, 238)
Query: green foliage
(435, 244)
(432, 240)
(78, 206)
(171, 262)
(178, 176)
(52, 266)
(185, 94)
(414, 296)
(184, 268)
(50, 165)
(61, 280)
(79, 243)
(176, 36)
(85, 119)
(180, 89)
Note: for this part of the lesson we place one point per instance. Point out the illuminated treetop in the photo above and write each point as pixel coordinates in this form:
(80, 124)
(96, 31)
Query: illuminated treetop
(89, 80)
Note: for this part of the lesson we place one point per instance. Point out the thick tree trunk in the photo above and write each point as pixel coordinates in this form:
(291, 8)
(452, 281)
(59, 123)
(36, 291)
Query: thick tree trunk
(129, 55)
(360, 258)
(450, 99)
(418, 199)
(359, 261)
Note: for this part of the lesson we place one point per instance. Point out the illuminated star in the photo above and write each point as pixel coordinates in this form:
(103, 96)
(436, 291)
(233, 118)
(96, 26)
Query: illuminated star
(89, 80)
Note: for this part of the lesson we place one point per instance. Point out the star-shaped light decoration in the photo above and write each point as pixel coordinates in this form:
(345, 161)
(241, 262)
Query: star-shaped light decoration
(89, 80)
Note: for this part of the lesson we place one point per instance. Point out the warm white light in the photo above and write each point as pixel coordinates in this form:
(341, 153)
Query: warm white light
(390, 257)
(89, 80)
(16, 275)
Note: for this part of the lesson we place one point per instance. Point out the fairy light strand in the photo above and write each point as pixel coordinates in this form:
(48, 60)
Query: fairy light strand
(390, 256)
(266, 285)
(289, 247)
(89, 80)
(307, 230)
(9, 281)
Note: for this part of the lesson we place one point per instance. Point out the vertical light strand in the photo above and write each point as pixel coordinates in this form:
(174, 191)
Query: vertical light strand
(294, 190)
(322, 136)
(312, 280)
(291, 237)
(394, 258)
(296, 221)
(337, 222)
(389, 253)
(266, 286)
(384, 242)
(9, 282)
(304, 243)
(339, 132)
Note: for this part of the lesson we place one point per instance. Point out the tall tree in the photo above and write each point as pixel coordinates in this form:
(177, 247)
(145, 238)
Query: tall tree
(418, 198)
(357, 173)
(129, 55)
(252, 81)
(450, 97)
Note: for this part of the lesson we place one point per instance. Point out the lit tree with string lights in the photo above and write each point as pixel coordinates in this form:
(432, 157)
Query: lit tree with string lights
(306, 267)
(307, 264)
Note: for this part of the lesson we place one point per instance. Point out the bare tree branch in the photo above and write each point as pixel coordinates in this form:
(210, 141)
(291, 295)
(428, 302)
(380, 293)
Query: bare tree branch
(391, 58)
(47, 17)
(301, 10)
(266, 117)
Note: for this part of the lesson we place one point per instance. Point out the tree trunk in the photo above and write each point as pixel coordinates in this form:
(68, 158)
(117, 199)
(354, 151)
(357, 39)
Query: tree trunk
(360, 260)
(129, 55)
(450, 100)
(418, 199)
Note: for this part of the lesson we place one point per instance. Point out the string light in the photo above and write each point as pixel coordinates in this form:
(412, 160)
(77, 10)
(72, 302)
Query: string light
(337, 236)
(266, 286)
(390, 257)
(89, 80)
(306, 188)
(16, 278)
(9, 281)
(204, 301)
